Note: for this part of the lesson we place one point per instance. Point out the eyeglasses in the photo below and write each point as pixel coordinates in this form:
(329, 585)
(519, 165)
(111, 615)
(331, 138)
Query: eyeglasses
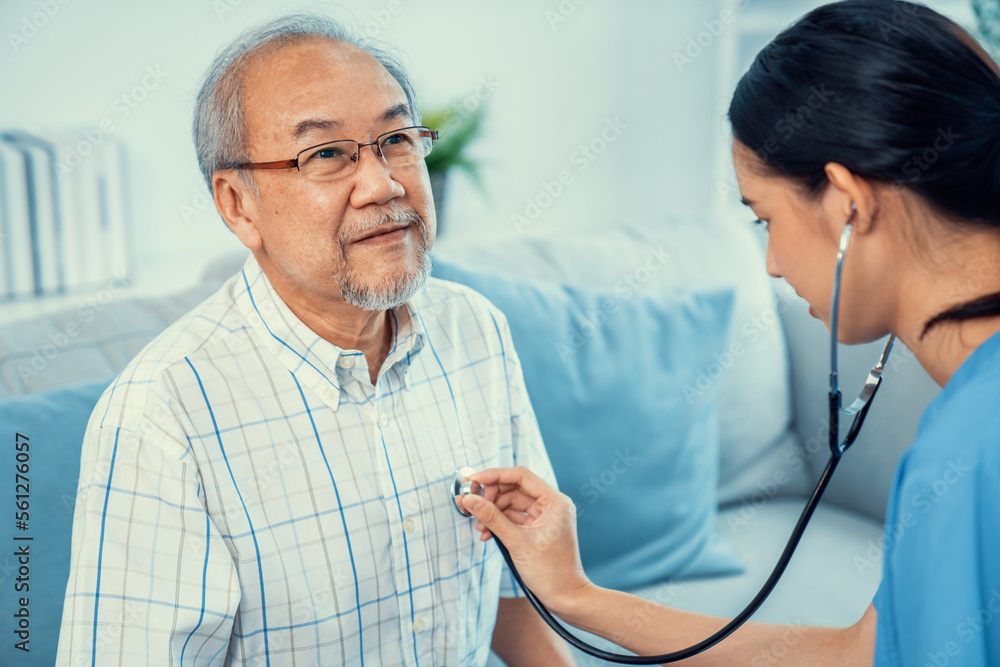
(336, 159)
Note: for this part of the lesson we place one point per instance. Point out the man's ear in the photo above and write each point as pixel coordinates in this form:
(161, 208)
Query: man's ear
(238, 207)
(847, 189)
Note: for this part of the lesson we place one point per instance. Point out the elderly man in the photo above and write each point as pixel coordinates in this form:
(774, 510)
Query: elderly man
(267, 482)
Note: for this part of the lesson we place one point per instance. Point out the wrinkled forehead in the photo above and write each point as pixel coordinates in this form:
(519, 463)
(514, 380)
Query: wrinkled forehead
(315, 79)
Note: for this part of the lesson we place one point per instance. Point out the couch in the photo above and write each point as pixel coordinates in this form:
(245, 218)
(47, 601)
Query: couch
(770, 391)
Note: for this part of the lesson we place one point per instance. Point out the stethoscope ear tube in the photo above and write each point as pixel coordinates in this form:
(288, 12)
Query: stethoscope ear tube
(704, 645)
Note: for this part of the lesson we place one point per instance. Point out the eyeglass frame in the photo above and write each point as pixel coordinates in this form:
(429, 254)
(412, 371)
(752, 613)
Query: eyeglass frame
(294, 162)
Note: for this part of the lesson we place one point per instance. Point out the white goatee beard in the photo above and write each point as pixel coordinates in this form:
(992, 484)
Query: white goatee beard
(399, 289)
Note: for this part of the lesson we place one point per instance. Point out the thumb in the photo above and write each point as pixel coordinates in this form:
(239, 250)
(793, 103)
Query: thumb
(489, 515)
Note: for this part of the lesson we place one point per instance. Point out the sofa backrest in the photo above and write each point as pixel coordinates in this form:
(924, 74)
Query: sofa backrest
(759, 453)
(91, 341)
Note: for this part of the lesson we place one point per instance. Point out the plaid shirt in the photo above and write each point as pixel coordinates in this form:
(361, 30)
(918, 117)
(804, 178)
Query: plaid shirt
(247, 497)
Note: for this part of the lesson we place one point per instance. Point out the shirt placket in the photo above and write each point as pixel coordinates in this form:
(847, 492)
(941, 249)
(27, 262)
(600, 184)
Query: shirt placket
(399, 477)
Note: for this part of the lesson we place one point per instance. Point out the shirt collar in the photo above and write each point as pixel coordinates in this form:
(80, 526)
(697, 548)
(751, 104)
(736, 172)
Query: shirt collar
(314, 361)
(408, 338)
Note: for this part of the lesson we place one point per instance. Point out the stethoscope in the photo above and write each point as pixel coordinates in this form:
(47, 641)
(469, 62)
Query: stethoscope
(463, 485)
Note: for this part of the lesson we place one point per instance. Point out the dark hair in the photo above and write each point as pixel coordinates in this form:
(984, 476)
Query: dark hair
(893, 91)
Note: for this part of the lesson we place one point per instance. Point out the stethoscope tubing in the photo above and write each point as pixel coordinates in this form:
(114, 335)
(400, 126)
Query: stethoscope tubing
(837, 450)
(725, 631)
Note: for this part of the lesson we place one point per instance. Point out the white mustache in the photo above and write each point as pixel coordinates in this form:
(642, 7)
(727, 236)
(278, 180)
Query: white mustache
(391, 214)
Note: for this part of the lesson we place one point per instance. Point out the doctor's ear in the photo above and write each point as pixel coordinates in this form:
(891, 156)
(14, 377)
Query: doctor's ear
(849, 197)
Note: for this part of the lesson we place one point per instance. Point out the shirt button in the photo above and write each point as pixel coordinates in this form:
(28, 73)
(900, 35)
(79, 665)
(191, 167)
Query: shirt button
(418, 625)
(383, 420)
(408, 525)
(347, 362)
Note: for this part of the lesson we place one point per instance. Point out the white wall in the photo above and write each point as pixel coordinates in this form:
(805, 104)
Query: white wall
(562, 71)
(757, 23)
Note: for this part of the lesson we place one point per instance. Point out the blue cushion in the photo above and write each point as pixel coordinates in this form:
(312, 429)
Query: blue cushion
(54, 424)
(610, 377)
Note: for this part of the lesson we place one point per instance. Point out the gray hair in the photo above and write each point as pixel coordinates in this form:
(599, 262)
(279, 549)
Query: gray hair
(220, 133)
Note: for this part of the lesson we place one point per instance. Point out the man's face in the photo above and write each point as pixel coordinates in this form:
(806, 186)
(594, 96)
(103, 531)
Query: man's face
(363, 238)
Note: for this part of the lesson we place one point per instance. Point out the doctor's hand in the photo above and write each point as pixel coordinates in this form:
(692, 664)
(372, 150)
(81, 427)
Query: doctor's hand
(537, 524)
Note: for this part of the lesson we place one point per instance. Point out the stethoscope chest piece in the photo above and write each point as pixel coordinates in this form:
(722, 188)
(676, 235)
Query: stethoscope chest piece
(462, 485)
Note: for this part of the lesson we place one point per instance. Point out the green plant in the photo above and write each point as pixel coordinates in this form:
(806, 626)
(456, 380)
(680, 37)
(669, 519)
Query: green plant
(988, 23)
(458, 126)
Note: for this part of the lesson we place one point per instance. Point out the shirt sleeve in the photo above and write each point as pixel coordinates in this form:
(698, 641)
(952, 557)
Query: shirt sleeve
(151, 580)
(528, 448)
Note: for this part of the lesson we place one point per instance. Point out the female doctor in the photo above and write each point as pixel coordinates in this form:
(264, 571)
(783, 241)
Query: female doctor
(886, 115)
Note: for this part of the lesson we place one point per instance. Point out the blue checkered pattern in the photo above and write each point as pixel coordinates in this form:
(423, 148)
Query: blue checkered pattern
(247, 497)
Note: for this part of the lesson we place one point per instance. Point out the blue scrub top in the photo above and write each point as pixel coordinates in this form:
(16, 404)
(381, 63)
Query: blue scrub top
(939, 600)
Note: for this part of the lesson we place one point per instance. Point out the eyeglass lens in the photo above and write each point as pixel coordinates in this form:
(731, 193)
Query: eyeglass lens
(339, 158)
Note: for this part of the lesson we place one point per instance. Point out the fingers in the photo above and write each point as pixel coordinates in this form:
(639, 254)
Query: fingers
(517, 518)
(512, 497)
(520, 478)
(484, 534)
(489, 516)
(491, 492)
(511, 500)
(518, 502)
